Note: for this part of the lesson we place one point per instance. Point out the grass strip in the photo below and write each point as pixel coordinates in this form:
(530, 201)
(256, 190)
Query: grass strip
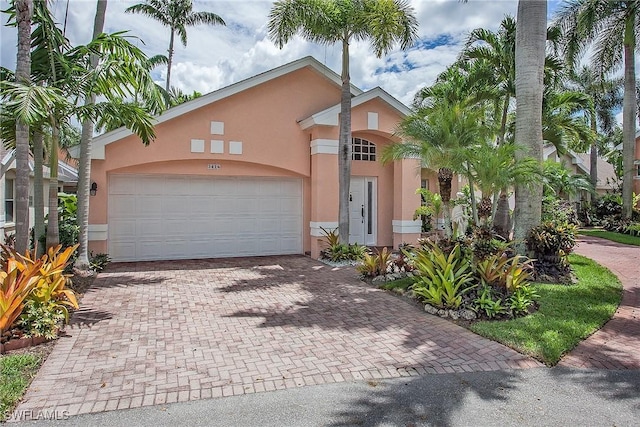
(626, 239)
(16, 373)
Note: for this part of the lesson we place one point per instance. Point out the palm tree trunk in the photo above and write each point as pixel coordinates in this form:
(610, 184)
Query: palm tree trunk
(24, 9)
(593, 154)
(501, 217)
(445, 175)
(169, 61)
(503, 120)
(531, 29)
(53, 234)
(38, 192)
(84, 169)
(628, 117)
(344, 148)
(474, 203)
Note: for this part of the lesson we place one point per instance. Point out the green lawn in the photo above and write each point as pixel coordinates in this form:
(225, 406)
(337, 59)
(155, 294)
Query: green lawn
(626, 239)
(15, 375)
(567, 314)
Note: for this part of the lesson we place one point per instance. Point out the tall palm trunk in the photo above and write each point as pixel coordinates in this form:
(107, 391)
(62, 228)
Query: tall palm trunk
(84, 170)
(501, 220)
(531, 32)
(628, 117)
(500, 216)
(593, 153)
(445, 176)
(24, 9)
(344, 148)
(53, 233)
(169, 60)
(38, 192)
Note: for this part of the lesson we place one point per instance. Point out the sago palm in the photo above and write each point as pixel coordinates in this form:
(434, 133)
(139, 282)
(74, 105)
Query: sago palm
(384, 23)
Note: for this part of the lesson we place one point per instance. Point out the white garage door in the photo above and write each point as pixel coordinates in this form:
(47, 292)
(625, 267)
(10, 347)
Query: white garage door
(155, 217)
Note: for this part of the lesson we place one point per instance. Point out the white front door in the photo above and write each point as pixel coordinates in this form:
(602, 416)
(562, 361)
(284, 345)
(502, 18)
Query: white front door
(362, 211)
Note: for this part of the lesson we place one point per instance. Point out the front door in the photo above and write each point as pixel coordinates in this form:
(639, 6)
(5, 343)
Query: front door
(362, 211)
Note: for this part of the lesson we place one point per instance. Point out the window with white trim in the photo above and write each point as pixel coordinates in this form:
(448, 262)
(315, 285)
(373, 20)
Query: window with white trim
(361, 149)
(8, 200)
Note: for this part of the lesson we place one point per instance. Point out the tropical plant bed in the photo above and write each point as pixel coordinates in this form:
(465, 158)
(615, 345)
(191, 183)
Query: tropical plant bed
(566, 314)
(626, 239)
(561, 317)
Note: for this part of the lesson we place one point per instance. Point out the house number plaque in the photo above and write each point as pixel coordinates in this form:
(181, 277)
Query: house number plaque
(213, 166)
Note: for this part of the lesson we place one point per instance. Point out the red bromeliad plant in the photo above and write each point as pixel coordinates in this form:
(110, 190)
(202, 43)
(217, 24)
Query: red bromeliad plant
(17, 281)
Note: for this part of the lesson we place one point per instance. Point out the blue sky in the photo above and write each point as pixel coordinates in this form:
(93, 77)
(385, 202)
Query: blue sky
(218, 56)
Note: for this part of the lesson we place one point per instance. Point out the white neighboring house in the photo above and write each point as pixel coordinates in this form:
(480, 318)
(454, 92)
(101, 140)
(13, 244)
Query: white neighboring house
(67, 182)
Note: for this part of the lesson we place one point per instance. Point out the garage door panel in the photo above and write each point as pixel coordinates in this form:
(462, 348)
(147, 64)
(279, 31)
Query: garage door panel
(122, 250)
(120, 185)
(149, 249)
(175, 186)
(149, 227)
(181, 217)
(125, 207)
(123, 229)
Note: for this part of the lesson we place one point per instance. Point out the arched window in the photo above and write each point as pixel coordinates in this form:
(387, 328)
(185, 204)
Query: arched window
(361, 149)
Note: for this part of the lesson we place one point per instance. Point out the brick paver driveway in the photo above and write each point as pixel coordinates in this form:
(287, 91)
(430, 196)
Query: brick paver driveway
(155, 333)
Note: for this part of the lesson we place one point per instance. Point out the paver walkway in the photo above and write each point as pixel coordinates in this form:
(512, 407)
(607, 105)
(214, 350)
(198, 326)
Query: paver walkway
(617, 344)
(155, 333)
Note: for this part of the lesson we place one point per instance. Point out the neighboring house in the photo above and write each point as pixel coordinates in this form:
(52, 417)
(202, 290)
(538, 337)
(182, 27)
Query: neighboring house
(67, 182)
(252, 169)
(578, 164)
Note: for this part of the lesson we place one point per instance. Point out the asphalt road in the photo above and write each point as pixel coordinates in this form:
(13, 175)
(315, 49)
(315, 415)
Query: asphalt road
(533, 397)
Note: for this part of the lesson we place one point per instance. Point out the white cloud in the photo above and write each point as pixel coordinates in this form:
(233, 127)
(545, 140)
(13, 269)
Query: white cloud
(218, 56)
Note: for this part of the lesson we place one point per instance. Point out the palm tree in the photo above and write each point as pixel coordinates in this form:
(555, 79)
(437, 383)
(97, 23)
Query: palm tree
(531, 31)
(561, 182)
(612, 29)
(442, 137)
(177, 15)
(24, 9)
(383, 22)
(494, 168)
(497, 50)
(605, 95)
(84, 169)
(68, 76)
(562, 124)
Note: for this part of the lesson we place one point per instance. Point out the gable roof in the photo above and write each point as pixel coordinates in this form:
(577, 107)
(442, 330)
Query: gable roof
(329, 116)
(99, 142)
(66, 172)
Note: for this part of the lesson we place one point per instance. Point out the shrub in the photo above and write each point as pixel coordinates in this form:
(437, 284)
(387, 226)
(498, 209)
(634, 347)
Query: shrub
(45, 295)
(17, 280)
(375, 265)
(443, 279)
(608, 205)
(337, 251)
(615, 224)
(486, 302)
(486, 243)
(98, 262)
(551, 238)
(522, 299)
(558, 211)
(633, 229)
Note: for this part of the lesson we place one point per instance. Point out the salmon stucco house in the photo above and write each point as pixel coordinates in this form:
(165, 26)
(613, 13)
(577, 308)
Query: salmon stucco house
(252, 169)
